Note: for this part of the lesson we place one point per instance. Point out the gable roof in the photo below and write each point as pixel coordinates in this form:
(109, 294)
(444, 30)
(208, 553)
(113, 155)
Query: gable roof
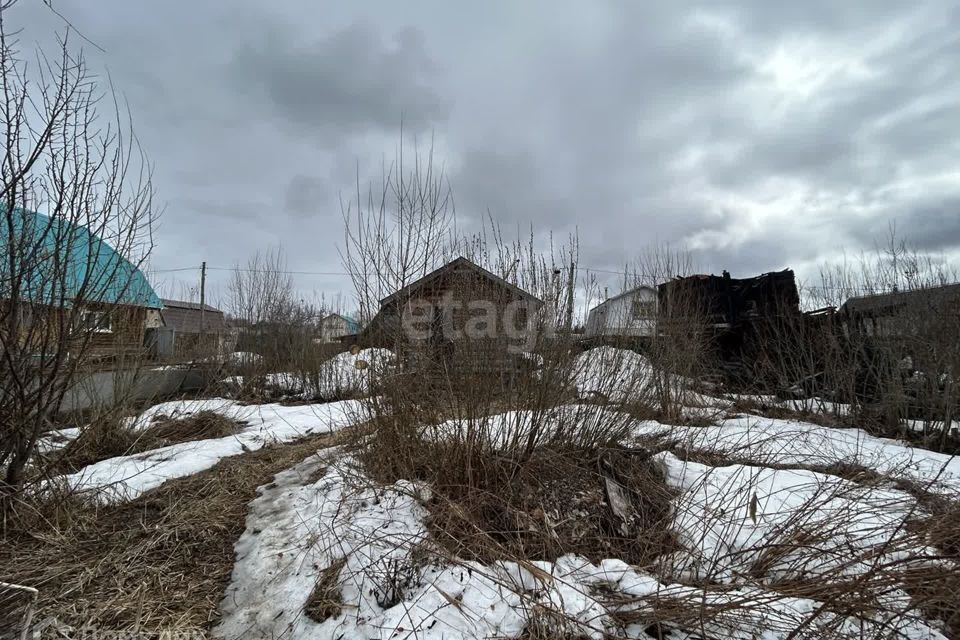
(625, 294)
(451, 266)
(185, 316)
(61, 263)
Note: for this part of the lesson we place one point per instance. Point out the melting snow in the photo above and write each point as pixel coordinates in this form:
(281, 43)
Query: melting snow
(791, 442)
(336, 377)
(618, 375)
(740, 523)
(126, 477)
(324, 513)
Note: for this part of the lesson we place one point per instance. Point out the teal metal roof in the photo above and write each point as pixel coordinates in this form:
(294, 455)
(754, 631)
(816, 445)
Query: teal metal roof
(57, 262)
(352, 325)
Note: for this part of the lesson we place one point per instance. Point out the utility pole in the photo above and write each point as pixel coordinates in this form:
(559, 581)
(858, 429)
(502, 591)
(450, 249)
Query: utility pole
(203, 292)
(568, 324)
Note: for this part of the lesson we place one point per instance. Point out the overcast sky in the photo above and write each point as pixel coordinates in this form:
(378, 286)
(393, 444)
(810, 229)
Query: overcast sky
(759, 134)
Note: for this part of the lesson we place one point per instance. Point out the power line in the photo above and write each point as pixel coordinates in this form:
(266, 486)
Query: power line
(803, 287)
(344, 273)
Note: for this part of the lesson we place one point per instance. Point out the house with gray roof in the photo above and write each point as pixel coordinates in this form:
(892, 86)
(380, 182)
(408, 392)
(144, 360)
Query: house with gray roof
(197, 328)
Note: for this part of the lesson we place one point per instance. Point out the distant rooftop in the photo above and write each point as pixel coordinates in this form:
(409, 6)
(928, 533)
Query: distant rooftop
(185, 317)
(182, 304)
(891, 299)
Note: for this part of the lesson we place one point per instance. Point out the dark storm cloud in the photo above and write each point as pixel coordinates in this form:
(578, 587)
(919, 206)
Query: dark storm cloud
(855, 133)
(600, 126)
(754, 145)
(348, 81)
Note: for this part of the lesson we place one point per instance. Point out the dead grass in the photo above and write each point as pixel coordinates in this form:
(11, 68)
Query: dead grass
(325, 600)
(780, 412)
(111, 437)
(160, 561)
(547, 624)
(544, 507)
(198, 426)
(936, 590)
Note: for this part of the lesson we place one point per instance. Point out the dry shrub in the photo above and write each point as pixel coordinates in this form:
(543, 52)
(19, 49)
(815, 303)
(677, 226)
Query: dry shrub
(496, 505)
(325, 600)
(111, 436)
(545, 623)
(198, 426)
(104, 438)
(936, 589)
(161, 561)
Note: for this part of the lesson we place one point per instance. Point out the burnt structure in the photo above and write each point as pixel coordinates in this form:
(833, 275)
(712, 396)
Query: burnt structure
(740, 317)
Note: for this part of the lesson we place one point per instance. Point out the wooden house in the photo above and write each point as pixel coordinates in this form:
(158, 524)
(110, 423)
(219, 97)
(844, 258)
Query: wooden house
(739, 320)
(902, 314)
(59, 277)
(457, 322)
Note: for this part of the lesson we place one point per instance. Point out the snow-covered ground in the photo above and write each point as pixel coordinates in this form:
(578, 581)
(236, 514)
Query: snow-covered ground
(323, 514)
(57, 439)
(623, 376)
(768, 505)
(770, 441)
(808, 405)
(740, 523)
(500, 430)
(618, 375)
(126, 477)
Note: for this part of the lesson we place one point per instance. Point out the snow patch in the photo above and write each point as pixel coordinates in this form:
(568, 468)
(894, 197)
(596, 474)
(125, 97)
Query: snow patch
(324, 512)
(740, 523)
(618, 375)
(126, 477)
(345, 374)
(791, 442)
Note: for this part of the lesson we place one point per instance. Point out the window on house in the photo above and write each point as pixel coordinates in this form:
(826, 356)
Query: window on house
(522, 317)
(643, 308)
(96, 321)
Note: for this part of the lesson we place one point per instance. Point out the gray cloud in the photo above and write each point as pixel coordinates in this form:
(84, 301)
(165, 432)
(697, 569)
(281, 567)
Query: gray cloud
(348, 81)
(305, 193)
(759, 134)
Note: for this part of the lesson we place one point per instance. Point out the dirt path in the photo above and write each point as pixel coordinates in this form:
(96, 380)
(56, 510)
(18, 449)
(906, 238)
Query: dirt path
(161, 561)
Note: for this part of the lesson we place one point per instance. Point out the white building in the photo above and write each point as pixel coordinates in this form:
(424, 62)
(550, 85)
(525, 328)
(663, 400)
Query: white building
(335, 326)
(630, 314)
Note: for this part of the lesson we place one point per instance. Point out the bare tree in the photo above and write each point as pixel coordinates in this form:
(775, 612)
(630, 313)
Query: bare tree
(680, 342)
(398, 230)
(274, 322)
(261, 290)
(69, 151)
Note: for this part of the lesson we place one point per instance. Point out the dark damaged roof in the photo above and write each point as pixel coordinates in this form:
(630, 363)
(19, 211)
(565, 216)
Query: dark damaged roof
(893, 301)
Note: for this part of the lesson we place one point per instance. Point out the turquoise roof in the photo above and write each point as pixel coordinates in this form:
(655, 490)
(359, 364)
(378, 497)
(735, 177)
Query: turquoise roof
(352, 325)
(61, 263)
